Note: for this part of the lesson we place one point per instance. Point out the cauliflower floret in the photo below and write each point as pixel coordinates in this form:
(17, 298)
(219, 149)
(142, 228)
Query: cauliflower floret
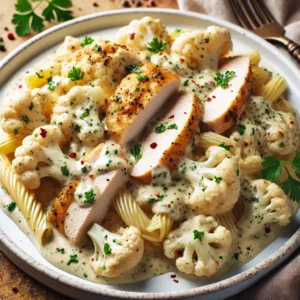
(25, 112)
(264, 131)
(139, 33)
(202, 49)
(40, 156)
(114, 253)
(101, 65)
(265, 202)
(76, 114)
(200, 246)
(216, 181)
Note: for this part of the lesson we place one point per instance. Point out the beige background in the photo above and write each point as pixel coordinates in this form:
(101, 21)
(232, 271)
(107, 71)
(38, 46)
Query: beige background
(14, 283)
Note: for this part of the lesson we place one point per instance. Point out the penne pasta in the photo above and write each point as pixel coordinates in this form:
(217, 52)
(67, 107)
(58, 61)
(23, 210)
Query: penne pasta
(25, 200)
(9, 143)
(274, 88)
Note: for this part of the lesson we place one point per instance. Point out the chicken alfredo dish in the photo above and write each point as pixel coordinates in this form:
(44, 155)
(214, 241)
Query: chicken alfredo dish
(150, 152)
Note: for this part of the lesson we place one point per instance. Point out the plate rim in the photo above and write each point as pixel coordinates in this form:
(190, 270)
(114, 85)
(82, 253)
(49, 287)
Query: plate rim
(284, 251)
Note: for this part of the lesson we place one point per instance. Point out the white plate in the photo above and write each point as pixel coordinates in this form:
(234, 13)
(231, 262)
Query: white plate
(15, 244)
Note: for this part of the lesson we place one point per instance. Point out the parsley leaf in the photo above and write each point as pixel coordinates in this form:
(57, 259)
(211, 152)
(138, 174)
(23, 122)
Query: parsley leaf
(155, 200)
(51, 84)
(133, 69)
(136, 151)
(75, 74)
(61, 250)
(225, 147)
(107, 249)
(28, 19)
(73, 259)
(198, 235)
(89, 196)
(156, 46)
(291, 187)
(87, 41)
(223, 79)
(161, 128)
(296, 164)
(85, 114)
(65, 170)
(217, 179)
(272, 169)
(242, 129)
(173, 126)
(11, 206)
(25, 119)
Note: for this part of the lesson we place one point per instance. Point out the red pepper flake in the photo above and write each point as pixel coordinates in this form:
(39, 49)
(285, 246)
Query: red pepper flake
(91, 176)
(137, 250)
(20, 86)
(292, 122)
(179, 253)
(171, 117)
(181, 60)
(61, 261)
(11, 36)
(80, 251)
(153, 145)
(157, 195)
(161, 53)
(57, 249)
(208, 99)
(82, 162)
(73, 155)
(175, 280)
(92, 258)
(213, 96)
(267, 229)
(131, 36)
(173, 276)
(43, 132)
(41, 71)
(246, 144)
(169, 205)
(193, 81)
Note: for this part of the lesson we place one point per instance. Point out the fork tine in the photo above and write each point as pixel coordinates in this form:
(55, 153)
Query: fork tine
(262, 11)
(240, 15)
(257, 11)
(249, 14)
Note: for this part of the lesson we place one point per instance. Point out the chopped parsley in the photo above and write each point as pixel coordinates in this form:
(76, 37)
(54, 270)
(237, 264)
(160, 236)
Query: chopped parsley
(258, 122)
(225, 146)
(107, 249)
(242, 129)
(156, 46)
(162, 127)
(61, 250)
(217, 179)
(136, 151)
(155, 200)
(65, 170)
(11, 206)
(16, 131)
(84, 169)
(51, 84)
(133, 69)
(223, 79)
(25, 119)
(77, 128)
(89, 196)
(198, 235)
(186, 82)
(31, 106)
(75, 74)
(73, 259)
(177, 30)
(85, 114)
(87, 41)
(39, 75)
(148, 57)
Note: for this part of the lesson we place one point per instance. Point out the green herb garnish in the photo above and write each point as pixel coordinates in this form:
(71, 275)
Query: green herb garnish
(75, 74)
(107, 249)
(89, 196)
(223, 79)
(64, 170)
(73, 259)
(136, 151)
(87, 41)
(11, 206)
(156, 46)
(198, 235)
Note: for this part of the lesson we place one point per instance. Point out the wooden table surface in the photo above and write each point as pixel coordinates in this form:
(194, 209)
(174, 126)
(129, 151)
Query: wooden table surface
(14, 283)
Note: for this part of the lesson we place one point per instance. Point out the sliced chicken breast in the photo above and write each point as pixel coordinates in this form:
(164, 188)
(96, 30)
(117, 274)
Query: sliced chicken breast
(137, 99)
(167, 142)
(224, 106)
(73, 220)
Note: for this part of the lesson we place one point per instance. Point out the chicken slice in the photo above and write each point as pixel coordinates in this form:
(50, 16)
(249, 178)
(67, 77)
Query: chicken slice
(74, 220)
(167, 142)
(137, 99)
(224, 106)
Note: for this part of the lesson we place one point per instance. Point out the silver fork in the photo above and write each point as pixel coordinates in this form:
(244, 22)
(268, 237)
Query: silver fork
(254, 16)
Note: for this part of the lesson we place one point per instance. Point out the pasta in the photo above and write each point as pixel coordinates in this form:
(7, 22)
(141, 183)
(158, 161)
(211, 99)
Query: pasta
(282, 104)
(8, 143)
(260, 78)
(254, 58)
(153, 230)
(274, 89)
(25, 201)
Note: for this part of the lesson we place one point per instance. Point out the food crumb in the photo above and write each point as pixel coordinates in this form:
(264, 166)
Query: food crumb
(15, 290)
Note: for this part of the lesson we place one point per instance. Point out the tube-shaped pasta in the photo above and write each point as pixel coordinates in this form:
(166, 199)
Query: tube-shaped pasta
(154, 230)
(260, 78)
(274, 88)
(9, 143)
(254, 58)
(25, 200)
(282, 104)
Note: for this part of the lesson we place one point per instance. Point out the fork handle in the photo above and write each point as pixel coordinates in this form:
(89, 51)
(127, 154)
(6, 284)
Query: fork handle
(292, 47)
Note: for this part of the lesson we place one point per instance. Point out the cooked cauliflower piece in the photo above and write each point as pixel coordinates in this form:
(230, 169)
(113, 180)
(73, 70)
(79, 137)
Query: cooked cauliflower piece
(41, 156)
(77, 114)
(265, 131)
(139, 33)
(114, 253)
(202, 49)
(215, 180)
(265, 202)
(101, 65)
(25, 112)
(200, 246)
